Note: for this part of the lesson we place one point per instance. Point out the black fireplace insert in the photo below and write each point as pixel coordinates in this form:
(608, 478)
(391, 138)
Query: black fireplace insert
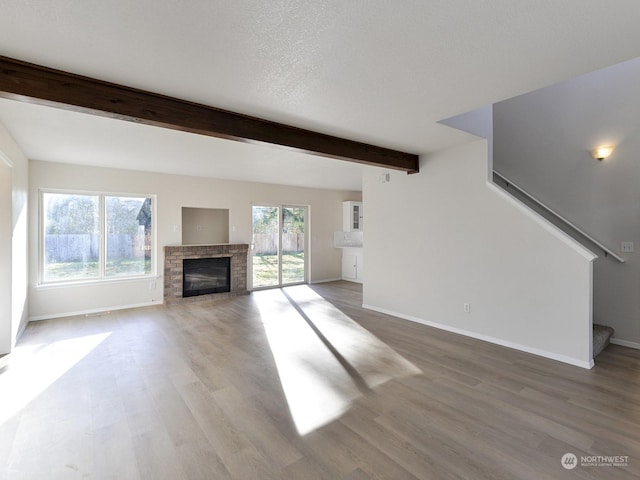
(202, 276)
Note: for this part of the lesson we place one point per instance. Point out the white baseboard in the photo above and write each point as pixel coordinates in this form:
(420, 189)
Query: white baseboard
(95, 311)
(625, 343)
(23, 327)
(487, 338)
(326, 280)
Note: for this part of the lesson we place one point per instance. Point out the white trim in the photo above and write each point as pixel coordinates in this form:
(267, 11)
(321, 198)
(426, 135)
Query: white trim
(307, 245)
(544, 223)
(38, 318)
(326, 280)
(487, 338)
(308, 252)
(102, 221)
(108, 280)
(23, 326)
(625, 343)
(5, 158)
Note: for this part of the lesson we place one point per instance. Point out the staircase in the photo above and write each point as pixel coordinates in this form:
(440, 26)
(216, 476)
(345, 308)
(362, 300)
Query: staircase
(601, 337)
(601, 333)
(555, 218)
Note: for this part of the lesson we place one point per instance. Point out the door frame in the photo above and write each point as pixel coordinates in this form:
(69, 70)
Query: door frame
(307, 244)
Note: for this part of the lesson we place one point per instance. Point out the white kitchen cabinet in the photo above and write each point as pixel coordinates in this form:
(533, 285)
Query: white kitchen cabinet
(352, 217)
(350, 240)
(352, 264)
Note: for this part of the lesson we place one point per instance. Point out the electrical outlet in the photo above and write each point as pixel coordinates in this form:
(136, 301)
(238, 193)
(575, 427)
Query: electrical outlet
(152, 285)
(466, 307)
(626, 247)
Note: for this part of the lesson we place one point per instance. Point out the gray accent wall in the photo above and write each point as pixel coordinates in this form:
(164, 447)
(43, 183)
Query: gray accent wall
(542, 142)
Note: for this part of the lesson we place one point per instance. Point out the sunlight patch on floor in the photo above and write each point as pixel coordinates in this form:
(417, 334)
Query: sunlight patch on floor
(325, 360)
(33, 368)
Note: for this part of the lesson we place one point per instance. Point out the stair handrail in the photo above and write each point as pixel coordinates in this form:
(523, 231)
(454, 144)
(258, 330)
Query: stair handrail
(606, 250)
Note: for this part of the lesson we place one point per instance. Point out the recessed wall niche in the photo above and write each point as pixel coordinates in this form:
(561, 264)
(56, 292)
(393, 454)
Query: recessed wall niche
(205, 226)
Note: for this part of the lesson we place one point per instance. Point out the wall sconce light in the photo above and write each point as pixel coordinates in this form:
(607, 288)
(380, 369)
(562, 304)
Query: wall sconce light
(602, 152)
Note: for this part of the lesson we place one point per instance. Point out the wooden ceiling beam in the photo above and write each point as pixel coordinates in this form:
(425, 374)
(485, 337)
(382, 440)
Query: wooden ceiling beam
(45, 86)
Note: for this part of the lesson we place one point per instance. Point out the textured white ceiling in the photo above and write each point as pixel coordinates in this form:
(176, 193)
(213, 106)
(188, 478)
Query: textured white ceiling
(371, 70)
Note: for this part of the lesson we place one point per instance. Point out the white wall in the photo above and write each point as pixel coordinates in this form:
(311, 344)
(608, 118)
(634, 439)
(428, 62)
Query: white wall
(5, 258)
(173, 192)
(14, 179)
(445, 237)
(542, 142)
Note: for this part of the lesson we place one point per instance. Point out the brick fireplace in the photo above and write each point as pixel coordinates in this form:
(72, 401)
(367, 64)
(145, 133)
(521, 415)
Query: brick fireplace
(174, 255)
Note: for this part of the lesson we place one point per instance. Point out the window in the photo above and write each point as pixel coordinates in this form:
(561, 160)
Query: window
(91, 236)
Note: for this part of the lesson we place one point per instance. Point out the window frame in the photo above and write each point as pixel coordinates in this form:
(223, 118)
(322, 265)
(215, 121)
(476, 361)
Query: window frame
(102, 225)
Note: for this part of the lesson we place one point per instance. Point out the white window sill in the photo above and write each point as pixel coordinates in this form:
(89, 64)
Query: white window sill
(102, 281)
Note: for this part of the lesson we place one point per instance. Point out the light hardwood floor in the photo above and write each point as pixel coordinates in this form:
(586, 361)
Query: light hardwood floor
(302, 384)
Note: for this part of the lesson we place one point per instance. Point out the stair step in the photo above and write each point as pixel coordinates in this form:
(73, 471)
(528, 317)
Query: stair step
(601, 337)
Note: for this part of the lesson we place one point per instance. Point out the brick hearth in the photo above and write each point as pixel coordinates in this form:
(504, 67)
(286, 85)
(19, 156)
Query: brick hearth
(173, 256)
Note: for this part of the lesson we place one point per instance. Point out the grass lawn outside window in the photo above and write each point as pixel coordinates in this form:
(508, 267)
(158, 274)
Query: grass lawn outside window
(265, 269)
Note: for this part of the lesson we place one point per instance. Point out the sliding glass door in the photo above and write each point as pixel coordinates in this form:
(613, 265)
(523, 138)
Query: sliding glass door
(265, 247)
(278, 248)
(293, 243)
